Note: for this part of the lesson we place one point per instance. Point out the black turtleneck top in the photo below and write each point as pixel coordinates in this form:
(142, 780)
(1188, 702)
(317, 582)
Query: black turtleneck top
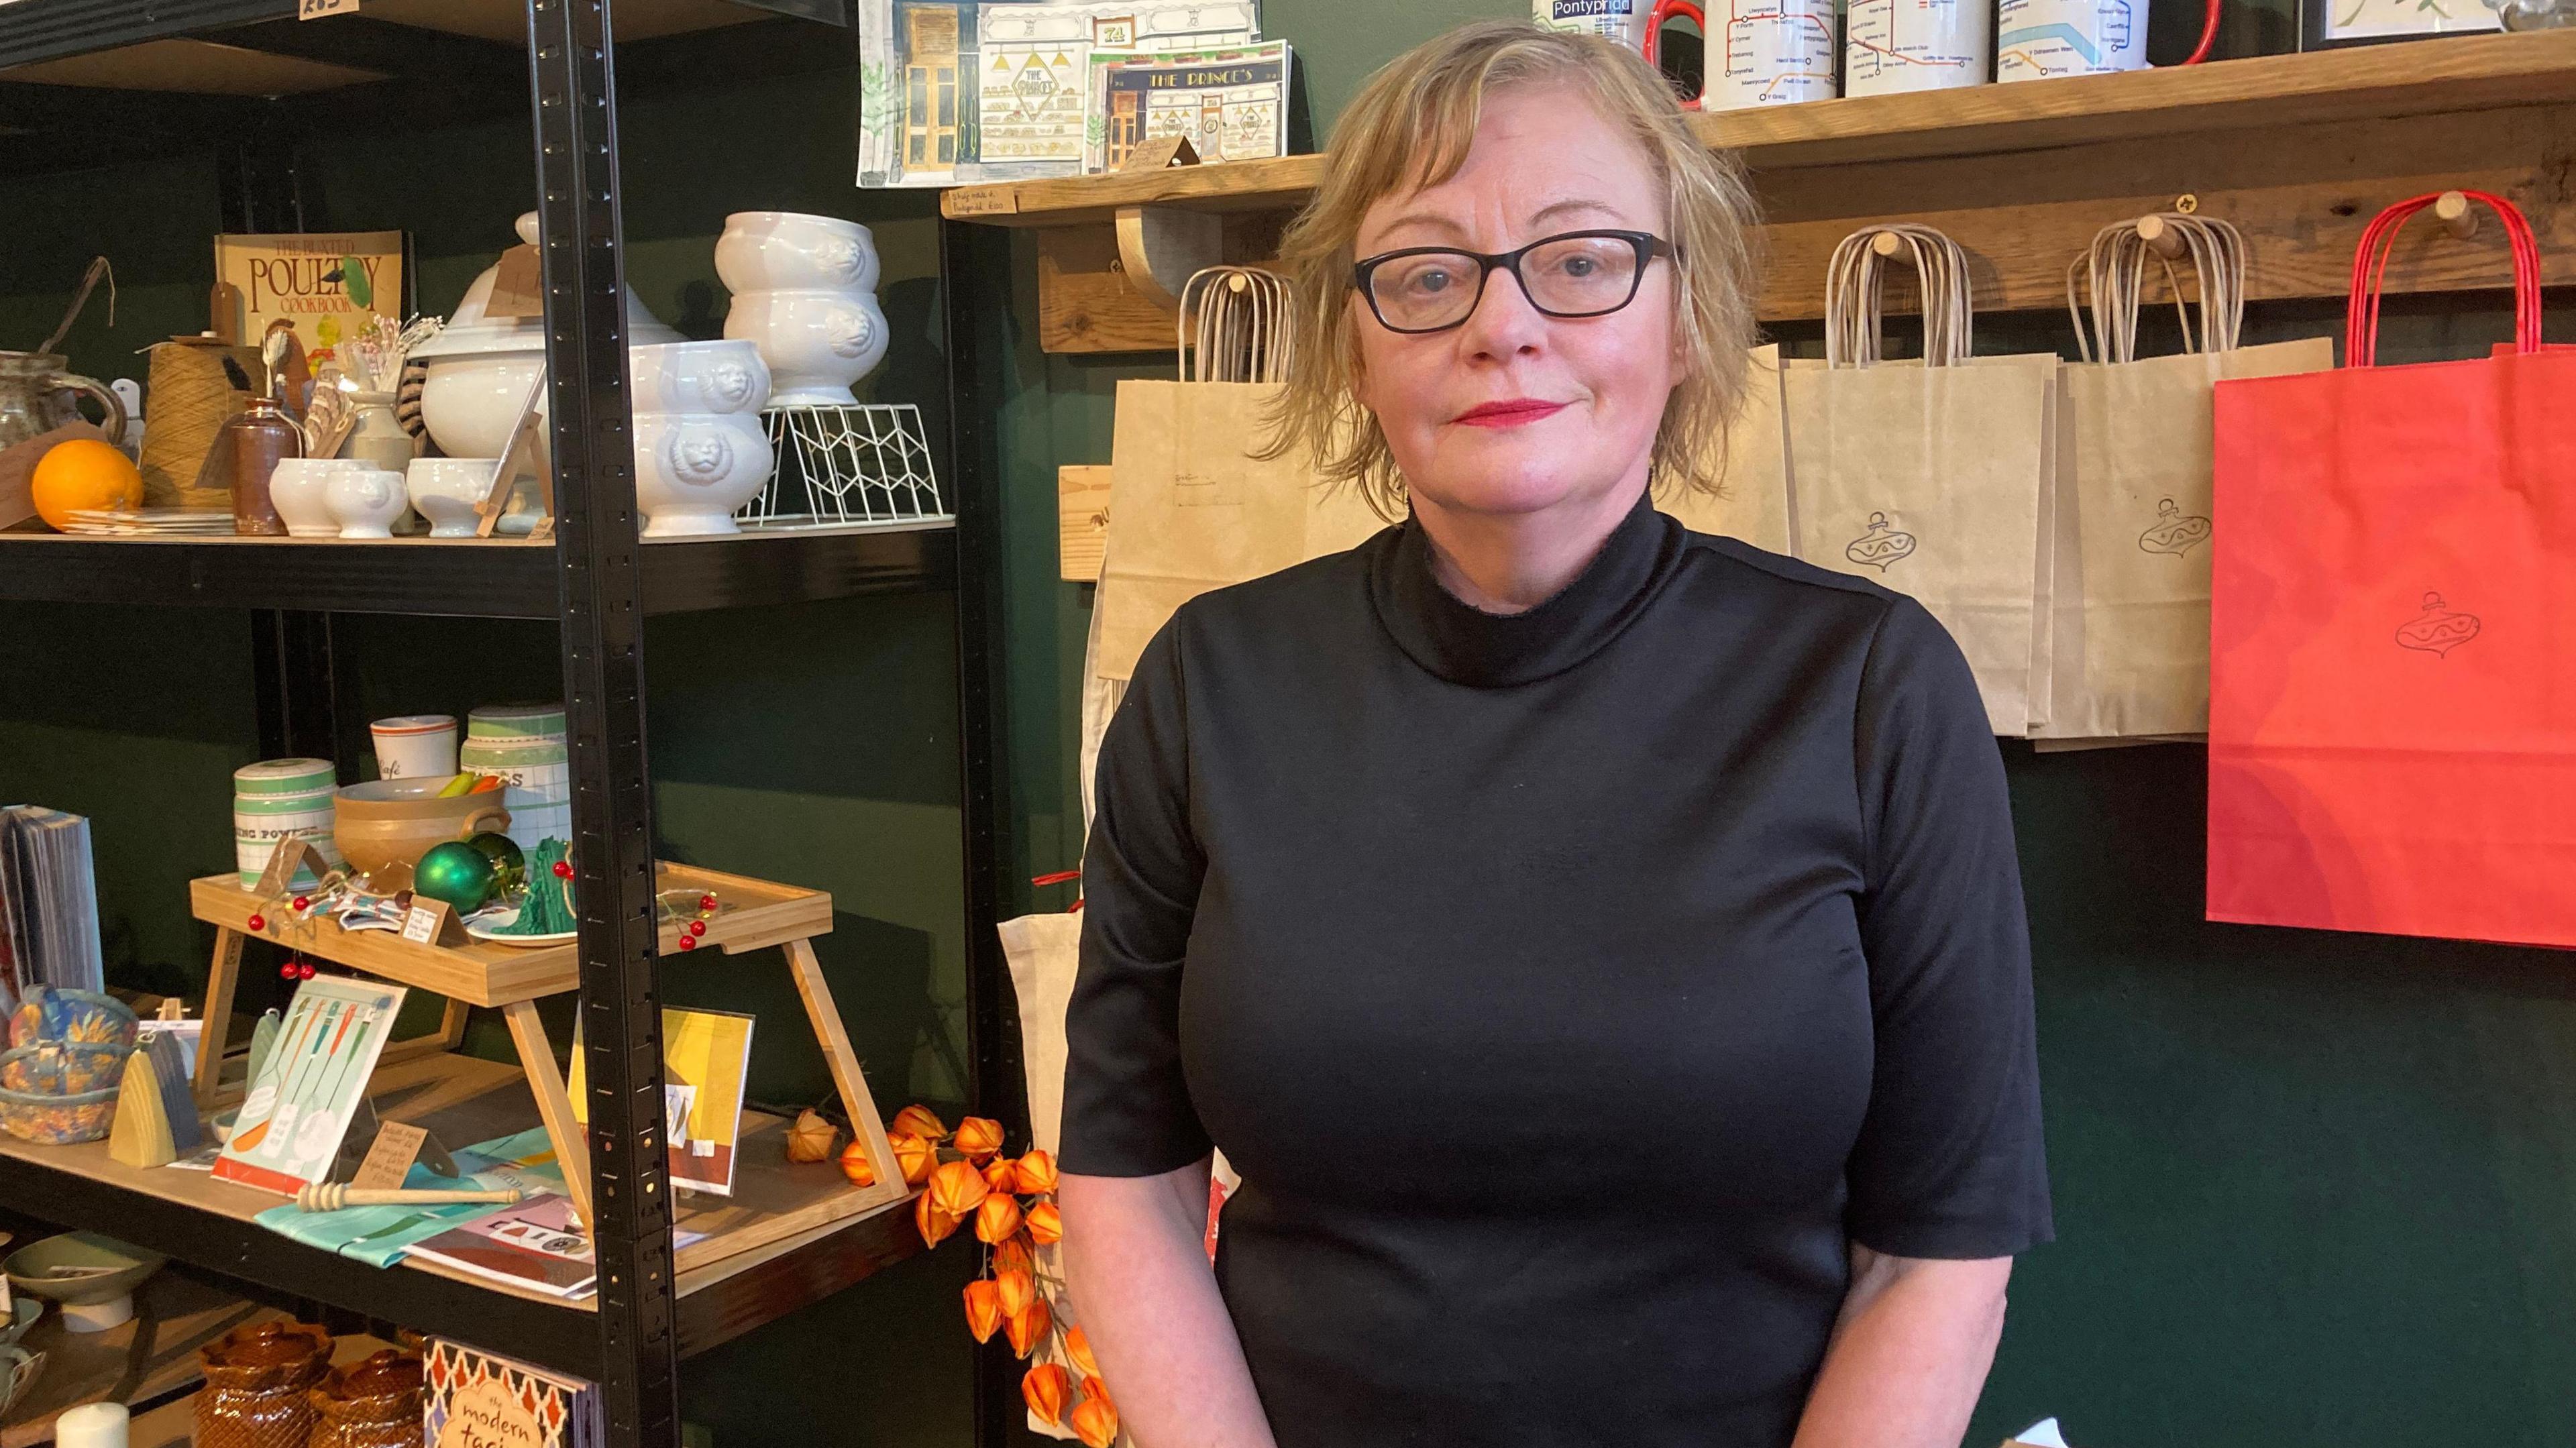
(1571, 988)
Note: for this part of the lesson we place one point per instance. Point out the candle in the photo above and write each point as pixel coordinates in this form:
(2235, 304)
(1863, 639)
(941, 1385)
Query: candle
(91, 1425)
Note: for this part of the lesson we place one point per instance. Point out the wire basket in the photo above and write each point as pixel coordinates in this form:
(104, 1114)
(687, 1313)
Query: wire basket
(840, 464)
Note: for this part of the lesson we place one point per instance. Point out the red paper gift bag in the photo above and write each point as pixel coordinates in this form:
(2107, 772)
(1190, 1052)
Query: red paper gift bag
(2392, 732)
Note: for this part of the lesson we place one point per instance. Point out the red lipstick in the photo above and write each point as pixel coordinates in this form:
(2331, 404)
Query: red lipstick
(1510, 412)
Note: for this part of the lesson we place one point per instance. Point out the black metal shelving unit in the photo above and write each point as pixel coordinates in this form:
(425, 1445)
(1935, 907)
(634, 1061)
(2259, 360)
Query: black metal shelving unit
(599, 581)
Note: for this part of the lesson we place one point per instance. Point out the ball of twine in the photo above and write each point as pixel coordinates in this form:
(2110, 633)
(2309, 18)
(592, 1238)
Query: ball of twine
(191, 396)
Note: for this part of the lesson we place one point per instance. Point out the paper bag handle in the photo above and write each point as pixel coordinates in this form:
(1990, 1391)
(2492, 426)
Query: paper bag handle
(1855, 286)
(2115, 268)
(2370, 270)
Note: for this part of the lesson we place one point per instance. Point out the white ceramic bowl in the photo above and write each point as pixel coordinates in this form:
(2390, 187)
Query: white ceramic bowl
(365, 501)
(445, 490)
(298, 489)
(816, 342)
(698, 377)
(770, 250)
(693, 469)
(468, 403)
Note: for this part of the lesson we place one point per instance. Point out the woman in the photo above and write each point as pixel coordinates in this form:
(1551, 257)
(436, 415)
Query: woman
(1598, 946)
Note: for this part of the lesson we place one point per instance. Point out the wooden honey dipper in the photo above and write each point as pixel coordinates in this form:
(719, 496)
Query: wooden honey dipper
(334, 1196)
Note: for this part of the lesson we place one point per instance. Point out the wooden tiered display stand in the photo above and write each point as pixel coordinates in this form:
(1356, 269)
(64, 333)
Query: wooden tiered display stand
(767, 1206)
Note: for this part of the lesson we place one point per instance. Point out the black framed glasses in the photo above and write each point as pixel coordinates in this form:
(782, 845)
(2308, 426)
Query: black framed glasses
(1572, 274)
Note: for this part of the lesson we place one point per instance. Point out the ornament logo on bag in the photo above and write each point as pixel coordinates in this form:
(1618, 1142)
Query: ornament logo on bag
(1880, 546)
(2175, 531)
(2438, 629)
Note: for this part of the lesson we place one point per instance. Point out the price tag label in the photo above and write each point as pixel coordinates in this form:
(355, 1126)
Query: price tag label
(316, 9)
(426, 921)
(518, 285)
(389, 1160)
(981, 201)
(1160, 153)
(292, 854)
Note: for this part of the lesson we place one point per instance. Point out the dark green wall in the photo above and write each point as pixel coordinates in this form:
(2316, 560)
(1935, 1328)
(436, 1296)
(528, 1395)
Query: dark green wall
(2313, 1189)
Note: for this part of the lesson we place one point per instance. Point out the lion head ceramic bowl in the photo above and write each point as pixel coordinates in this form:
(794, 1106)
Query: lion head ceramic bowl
(764, 251)
(816, 342)
(725, 377)
(692, 470)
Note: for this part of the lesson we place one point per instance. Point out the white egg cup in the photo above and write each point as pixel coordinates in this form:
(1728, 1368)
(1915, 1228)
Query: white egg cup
(693, 469)
(816, 342)
(298, 489)
(365, 501)
(446, 490)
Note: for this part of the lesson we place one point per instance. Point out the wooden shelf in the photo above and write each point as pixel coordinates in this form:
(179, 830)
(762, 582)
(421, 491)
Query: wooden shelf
(471, 578)
(2298, 150)
(2465, 73)
(751, 1269)
(144, 1361)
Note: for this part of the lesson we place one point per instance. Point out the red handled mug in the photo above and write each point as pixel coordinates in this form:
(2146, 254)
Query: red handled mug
(1665, 10)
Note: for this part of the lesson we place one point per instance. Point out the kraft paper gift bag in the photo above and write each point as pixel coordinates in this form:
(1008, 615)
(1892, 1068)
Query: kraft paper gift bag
(2392, 726)
(2129, 593)
(1752, 501)
(1190, 508)
(1931, 477)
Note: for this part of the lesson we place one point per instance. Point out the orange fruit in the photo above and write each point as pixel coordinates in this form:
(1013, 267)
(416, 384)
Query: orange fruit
(83, 473)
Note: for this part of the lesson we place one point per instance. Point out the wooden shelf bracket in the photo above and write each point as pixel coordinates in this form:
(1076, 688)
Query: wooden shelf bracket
(1162, 247)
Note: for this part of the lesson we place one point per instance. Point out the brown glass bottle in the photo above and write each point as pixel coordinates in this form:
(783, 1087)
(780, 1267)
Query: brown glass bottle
(253, 442)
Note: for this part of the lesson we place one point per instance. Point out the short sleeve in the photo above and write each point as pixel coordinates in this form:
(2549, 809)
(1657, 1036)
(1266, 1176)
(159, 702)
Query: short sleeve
(1950, 1162)
(1127, 1109)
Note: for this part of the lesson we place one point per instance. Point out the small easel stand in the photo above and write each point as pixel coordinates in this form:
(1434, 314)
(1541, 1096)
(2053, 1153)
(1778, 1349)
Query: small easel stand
(758, 914)
(519, 453)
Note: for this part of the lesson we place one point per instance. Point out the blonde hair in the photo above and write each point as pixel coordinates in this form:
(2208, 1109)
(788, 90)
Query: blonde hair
(1411, 127)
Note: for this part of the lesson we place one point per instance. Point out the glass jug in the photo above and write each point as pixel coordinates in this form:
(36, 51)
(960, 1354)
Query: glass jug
(37, 396)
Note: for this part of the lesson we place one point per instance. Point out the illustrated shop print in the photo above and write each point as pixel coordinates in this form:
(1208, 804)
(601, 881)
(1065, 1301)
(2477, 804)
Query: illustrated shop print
(2438, 629)
(2174, 530)
(1880, 546)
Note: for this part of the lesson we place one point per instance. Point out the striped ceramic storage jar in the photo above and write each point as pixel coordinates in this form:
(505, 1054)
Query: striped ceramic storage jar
(524, 745)
(278, 798)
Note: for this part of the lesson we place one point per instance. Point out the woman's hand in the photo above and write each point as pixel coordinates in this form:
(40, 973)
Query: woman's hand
(1135, 1262)
(1909, 1353)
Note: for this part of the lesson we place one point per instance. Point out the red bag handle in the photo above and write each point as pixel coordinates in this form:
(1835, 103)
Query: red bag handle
(1662, 11)
(2370, 269)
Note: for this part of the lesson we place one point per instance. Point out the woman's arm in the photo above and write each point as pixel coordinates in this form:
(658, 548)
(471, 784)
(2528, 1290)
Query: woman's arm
(1135, 1260)
(1909, 1353)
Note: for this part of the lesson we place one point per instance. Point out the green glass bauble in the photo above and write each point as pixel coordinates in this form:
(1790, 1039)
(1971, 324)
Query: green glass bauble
(509, 863)
(455, 872)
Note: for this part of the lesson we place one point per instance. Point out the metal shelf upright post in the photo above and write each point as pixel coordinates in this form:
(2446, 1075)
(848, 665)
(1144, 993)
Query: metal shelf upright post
(596, 552)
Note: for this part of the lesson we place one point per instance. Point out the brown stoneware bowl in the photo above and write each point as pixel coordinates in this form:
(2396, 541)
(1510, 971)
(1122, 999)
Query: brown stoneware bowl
(385, 825)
